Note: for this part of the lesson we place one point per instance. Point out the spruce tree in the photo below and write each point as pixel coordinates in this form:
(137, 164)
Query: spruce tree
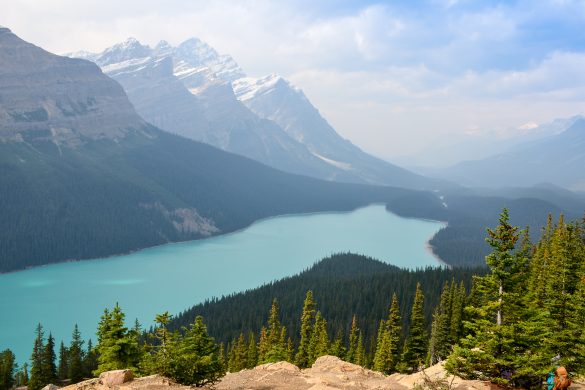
(361, 359)
(63, 369)
(48, 365)
(307, 322)
(338, 348)
(263, 345)
(394, 326)
(197, 361)
(319, 339)
(37, 381)
(160, 356)
(275, 347)
(76, 368)
(354, 332)
(503, 330)
(416, 343)
(117, 347)
(241, 354)
(90, 360)
(252, 357)
(7, 368)
(382, 355)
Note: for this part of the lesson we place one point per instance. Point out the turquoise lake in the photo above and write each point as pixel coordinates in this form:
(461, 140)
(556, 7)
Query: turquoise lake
(174, 277)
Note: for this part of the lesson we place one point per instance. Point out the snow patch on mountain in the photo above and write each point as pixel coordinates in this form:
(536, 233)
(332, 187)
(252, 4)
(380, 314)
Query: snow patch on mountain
(337, 164)
(248, 88)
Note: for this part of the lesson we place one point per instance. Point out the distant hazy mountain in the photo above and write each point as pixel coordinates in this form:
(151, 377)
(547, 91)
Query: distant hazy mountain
(82, 175)
(188, 90)
(457, 148)
(557, 159)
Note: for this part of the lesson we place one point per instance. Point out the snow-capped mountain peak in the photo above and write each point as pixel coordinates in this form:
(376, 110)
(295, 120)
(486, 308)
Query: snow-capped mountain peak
(130, 49)
(196, 54)
(248, 88)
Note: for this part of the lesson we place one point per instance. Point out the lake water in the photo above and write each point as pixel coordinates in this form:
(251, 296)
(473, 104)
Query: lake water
(174, 277)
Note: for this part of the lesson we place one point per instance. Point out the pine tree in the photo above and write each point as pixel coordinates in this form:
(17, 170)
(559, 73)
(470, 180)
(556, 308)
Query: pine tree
(252, 352)
(241, 354)
(337, 348)
(458, 305)
(7, 368)
(197, 361)
(354, 332)
(302, 358)
(263, 345)
(319, 339)
(21, 377)
(441, 341)
(275, 341)
(160, 356)
(90, 360)
(416, 343)
(63, 369)
(117, 347)
(48, 366)
(382, 355)
(394, 325)
(361, 359)
(76, 369)
(290, 350)
(36, 381)
(502, 328)
(222, 357)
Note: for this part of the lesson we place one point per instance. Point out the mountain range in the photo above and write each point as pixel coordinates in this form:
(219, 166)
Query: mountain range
(193, 91)
(557, 159)
(82, 175)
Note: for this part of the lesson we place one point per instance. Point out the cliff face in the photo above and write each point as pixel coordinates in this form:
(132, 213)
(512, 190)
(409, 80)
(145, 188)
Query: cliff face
(48, 97)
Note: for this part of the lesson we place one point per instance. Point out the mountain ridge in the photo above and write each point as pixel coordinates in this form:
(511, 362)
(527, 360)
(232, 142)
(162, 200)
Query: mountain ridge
(554, 159)
(230, 122)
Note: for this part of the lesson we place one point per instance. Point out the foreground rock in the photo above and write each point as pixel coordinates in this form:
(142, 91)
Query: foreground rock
(121, 380)
(330, 372)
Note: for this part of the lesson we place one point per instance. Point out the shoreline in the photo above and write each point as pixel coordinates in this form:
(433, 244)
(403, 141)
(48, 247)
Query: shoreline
(428, 247)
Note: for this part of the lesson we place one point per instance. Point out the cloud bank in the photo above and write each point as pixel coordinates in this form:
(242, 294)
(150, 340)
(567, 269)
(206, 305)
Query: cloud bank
(393, 77)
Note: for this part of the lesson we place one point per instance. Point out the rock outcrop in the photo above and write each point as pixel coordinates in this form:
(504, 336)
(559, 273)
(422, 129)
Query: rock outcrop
(328, 373)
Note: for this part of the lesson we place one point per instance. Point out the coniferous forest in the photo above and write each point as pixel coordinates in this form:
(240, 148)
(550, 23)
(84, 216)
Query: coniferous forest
(510, 323)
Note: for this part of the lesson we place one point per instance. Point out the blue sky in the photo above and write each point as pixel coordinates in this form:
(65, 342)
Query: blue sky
(395, 77)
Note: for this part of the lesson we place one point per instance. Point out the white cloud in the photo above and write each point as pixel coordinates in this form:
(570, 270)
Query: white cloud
(388, 78)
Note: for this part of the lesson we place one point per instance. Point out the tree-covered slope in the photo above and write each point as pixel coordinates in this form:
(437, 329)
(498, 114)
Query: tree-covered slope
(112, 197)
(342, 285)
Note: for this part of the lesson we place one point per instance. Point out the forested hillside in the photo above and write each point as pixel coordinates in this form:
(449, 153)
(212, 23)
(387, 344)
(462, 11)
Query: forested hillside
(343, 285)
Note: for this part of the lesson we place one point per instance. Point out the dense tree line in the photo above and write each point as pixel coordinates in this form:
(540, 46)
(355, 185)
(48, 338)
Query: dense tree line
(344, 285)
(462, 241)
(110, 197)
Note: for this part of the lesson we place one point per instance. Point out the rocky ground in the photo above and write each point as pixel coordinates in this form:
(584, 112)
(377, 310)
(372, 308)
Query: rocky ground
(328, 372)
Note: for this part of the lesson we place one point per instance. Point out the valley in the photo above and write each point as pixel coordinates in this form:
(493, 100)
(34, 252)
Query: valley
(175, 276)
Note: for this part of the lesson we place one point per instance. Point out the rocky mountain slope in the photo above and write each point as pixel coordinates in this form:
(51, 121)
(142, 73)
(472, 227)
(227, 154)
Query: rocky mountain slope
(274, 98)
(82, 175)
(193, 91)
(61, 100)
